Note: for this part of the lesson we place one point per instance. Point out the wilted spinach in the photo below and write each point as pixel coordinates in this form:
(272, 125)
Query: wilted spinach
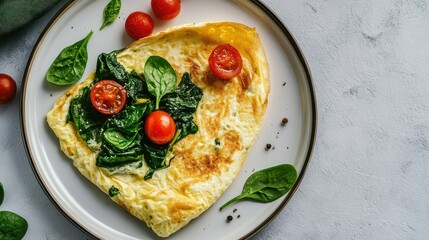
(84, 116)
(12, 226)
(108, 67)
(129, 119)
(69, 66)
(267, 185)
(182, 104)
(111, 12)
(113, 191)
(120, 139)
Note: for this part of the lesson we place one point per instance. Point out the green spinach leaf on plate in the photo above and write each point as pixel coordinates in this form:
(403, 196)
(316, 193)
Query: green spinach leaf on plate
(69, 66)
(160, 77)
(111, 12)
(267, 185)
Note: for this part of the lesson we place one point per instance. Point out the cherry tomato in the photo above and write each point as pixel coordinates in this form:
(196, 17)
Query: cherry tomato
(160, 127)
(7, 88)
(108, 97)
(166, 9)
(225, 61)
(139, 25)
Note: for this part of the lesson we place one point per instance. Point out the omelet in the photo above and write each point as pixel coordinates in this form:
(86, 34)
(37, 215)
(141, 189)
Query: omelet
(229, 117)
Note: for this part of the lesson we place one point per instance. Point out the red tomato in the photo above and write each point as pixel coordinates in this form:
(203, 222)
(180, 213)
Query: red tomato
(160, 127)
(139, 25)
(108, 97)
(225, 61)
(166, 9)
(7, 88)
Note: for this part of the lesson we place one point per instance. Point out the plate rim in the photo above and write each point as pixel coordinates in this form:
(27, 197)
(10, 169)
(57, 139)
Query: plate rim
(312, 96)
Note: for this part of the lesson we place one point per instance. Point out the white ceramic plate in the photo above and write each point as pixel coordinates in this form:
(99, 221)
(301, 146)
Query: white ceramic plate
(291, 96)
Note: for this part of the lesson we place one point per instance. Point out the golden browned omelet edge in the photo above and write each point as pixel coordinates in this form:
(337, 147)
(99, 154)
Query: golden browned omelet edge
(230, 112)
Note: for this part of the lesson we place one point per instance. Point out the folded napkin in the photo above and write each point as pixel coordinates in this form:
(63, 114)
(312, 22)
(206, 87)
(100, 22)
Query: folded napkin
(18, 13)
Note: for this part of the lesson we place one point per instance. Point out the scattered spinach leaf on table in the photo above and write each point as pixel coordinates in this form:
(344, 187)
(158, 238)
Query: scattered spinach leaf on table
(267, 185)
(111, 12)
(12, 226)
(69, 66)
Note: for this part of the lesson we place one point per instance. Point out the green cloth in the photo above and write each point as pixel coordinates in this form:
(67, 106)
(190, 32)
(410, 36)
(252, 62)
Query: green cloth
(17, 13)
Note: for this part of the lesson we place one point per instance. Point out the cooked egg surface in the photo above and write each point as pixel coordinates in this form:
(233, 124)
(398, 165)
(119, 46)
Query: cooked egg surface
(229, 117)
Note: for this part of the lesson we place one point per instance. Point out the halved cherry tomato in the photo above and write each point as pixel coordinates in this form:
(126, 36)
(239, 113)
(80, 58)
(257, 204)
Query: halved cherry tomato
(7, 88)
(225, 62)
(139, 25)
(108, 97)
(166, 9)
(160, 127)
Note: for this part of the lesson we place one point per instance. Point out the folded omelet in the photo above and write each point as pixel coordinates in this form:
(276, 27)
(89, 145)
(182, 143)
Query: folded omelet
(229, 117)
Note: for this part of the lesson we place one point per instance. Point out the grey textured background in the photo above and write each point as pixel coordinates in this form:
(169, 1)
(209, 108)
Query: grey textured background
(368, 178)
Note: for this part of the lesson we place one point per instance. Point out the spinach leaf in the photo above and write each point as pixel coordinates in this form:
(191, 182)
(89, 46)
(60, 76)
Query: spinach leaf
(12, 226)
(69, 66)
(119, 149)
(113, 191)
(1, 193)
(113, 161)
(154, 154)
(108, 67)
(267, 185)
(129, 119)
(160, 77)
(118, 140)
(132, 151)
(111, 12)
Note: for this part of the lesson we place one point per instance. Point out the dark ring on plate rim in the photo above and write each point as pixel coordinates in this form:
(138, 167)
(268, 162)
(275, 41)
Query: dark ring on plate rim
(308, 76)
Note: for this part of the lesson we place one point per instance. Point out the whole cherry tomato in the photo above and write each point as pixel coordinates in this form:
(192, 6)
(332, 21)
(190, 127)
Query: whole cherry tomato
(160, 127)
(7, 88)
(225, 62)
(108, 97)
(166, 9)
(139, 25)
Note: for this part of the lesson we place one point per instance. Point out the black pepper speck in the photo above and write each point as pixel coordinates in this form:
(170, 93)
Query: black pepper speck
(229, 218)
(284, 121)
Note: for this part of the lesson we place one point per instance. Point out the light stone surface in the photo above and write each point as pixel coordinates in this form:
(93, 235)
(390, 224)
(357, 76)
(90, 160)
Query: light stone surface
(368, 178)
